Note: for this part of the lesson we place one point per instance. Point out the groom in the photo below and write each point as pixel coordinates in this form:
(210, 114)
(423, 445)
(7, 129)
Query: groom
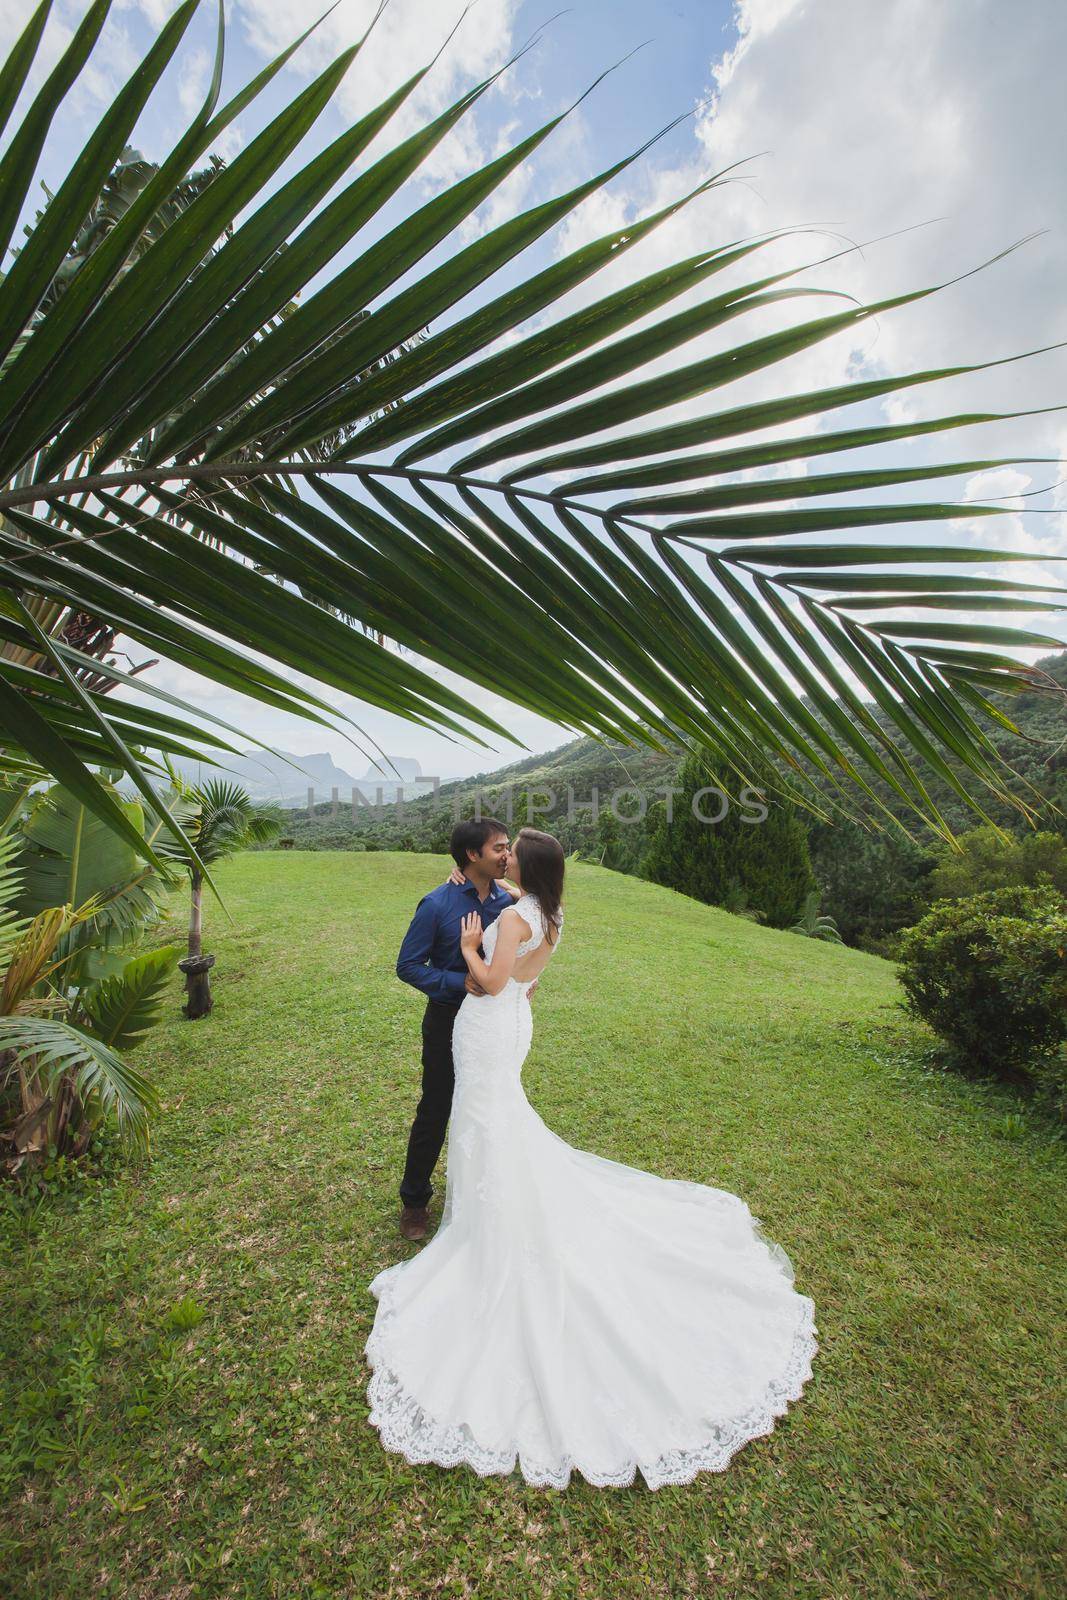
(430, 959)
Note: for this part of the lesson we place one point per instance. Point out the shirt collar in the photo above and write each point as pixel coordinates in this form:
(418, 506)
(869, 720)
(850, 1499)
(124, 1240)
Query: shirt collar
(494, 892)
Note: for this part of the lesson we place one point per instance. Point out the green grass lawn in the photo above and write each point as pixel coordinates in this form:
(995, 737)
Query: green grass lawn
(183, 1389)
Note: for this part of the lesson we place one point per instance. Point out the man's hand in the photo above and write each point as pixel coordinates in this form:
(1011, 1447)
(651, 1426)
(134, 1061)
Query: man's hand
(531, 990)
(473, 986)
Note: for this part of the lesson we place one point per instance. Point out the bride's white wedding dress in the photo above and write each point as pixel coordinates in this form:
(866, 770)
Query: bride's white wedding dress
(570, 1311)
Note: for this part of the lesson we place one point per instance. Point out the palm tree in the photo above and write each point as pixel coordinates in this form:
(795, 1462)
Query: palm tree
(158, 461)
(60, 1035)
(812, 925)
(219, 818)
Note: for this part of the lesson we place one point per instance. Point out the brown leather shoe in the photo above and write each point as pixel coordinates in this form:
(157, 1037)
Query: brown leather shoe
(414, 1222)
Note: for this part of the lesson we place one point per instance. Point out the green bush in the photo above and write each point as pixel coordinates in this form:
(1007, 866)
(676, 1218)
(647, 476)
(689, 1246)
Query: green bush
(989, 974)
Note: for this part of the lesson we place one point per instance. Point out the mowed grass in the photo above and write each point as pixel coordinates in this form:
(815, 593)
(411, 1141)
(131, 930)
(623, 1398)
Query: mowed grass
(231, 1455)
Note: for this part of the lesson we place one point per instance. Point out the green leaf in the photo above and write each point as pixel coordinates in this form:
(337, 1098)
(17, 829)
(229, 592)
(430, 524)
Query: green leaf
(23, 724)
(475, 332)
(136, 301)
(127, 760)
(714, 463)
(20, 160)
(53, 1048)
(498, 377)
(811, 485)
(38, 259)
(652, 441)
(313, 323)
(626, 355)
(123, 1008)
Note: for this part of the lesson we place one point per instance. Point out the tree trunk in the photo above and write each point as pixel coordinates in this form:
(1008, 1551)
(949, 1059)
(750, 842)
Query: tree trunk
(196, 965)
(195, 913)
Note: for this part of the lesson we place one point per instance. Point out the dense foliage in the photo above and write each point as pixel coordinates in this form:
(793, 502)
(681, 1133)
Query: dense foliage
(989, 974)
(729, 852)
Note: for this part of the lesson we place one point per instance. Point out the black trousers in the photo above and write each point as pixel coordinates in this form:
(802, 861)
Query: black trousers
(431, 1116)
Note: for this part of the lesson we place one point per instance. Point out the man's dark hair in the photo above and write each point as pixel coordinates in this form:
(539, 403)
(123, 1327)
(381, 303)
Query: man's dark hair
(473, 836)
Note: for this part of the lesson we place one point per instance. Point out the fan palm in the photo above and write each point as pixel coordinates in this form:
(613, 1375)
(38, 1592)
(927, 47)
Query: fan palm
(812, 925)
(218, 818)
(656, 592)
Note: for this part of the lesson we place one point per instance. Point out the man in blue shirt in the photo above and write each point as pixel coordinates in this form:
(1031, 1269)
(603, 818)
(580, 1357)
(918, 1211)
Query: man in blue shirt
(431, 960)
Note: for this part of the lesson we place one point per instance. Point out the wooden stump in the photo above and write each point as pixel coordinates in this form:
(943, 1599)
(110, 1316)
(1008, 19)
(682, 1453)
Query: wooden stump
(197, 985)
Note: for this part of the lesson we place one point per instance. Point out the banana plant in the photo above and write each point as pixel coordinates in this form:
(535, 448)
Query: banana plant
(60, 1041)
(652, 587)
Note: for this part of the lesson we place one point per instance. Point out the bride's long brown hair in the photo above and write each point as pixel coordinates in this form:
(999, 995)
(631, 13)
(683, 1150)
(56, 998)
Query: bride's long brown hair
(541, 864)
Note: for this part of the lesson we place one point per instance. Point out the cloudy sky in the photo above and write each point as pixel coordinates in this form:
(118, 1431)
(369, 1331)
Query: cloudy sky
(939, 125)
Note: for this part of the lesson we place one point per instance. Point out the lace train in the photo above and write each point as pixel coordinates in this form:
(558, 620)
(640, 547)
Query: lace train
(406, 1429)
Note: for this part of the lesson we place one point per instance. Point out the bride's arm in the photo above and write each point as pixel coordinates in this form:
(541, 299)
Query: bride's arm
(494, 976)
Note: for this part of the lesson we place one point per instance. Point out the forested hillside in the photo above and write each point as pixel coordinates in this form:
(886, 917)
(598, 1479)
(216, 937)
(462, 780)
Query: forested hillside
(871, 881)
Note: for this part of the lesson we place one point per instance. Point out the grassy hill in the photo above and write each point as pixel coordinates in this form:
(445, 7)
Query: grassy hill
(153, 1454)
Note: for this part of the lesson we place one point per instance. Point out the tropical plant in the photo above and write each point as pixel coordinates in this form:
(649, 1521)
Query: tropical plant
(658, 591)
(608, 837)
(812, 925)
(218, 818)
(60, 1039)
(69, 856)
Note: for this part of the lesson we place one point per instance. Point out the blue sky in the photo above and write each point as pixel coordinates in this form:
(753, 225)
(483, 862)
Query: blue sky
(874, 117)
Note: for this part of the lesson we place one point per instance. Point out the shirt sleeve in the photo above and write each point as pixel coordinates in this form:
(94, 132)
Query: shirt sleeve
(413, 962)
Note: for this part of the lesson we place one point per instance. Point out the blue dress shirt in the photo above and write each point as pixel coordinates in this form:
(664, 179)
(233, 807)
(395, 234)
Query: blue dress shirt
(430, 957)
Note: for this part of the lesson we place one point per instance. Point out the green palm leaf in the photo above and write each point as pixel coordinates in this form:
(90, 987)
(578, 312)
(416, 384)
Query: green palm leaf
(265, 488)
(126, 1006)
(54, 1048)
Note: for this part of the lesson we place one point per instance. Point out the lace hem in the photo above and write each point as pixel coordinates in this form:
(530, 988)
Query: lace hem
(405, 1429)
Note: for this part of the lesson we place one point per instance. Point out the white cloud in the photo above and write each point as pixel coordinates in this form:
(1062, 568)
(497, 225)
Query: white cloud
(193, 81)
(877, 118)
(405, 38)
(110, 64)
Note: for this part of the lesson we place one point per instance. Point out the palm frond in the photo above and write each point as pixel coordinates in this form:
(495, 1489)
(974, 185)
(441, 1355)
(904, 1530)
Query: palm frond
(50, 1047)
(261, 486)
(124, 1007)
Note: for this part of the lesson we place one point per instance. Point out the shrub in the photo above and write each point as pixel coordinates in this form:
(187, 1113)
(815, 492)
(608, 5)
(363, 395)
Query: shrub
(989, 974)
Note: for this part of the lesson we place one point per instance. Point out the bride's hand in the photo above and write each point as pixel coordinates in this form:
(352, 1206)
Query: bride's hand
(470, 936)
(455, 876)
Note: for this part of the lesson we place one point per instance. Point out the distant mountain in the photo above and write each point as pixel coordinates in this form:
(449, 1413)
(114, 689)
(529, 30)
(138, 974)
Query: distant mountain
(272, 780)
(408, 768)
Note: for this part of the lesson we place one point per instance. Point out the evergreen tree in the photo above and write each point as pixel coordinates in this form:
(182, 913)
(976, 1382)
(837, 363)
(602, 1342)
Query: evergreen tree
(737, 861)
(608, 838)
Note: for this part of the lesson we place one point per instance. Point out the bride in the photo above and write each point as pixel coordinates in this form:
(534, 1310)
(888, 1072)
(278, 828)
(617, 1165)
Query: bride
(573, 1312)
